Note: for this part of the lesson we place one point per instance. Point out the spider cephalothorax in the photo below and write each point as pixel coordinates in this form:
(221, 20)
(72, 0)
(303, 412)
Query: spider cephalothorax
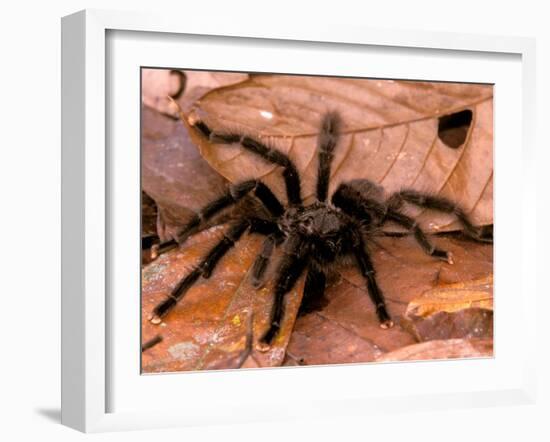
(313, 237)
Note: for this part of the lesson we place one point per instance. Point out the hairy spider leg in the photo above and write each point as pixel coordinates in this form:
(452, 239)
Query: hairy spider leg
(260, 264)
(367, 270)
(443, 205)
(410, 224)
(220, 249)
(352, 203)
(328, 137)
(204, 269)
(290, 173)
(314, 289)
(290, 268)
(232, 196)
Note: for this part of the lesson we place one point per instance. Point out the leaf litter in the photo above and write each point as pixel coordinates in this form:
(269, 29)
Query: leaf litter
(390, 135)
(210, 326)
(216, 323)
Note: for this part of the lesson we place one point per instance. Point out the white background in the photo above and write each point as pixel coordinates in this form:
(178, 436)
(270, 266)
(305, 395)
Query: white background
(30, 219)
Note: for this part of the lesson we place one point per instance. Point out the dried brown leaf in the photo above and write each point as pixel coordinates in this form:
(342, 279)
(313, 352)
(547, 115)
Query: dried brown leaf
(466, 323)
(389, 135)
(173, 172)
(185, 86)
(346, 329)
(201, 82)
(148, 215)
(208, 328)
(453, 297)
(442, 349)
(460, 310)
(159, 84)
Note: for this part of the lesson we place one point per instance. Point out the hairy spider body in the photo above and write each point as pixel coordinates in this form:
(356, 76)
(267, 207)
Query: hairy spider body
(313, 237)
(321, 224)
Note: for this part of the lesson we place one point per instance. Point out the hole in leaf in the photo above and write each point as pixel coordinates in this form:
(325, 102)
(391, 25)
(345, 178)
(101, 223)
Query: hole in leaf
(453, 128)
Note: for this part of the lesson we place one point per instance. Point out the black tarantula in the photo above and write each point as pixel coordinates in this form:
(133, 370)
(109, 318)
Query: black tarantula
(312, 236)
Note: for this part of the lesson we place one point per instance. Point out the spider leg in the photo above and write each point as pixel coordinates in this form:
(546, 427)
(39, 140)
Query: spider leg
(220, 249)
(260, 264)
(232, 196)
(314, 289)
(353, 203)
(367, 270)
(328, 137)
(290, 268)
(443, 205)
(410, 224)
(290, 173)
(204, 269)
(274, 235)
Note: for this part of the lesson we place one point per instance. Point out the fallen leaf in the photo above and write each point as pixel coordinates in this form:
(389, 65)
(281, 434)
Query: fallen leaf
(391, 134)
(395, 133)
(173, 172)
(442, 349)
(201, 82)
(320, 341)
(347, 327)
(184, 86)
(466, 323)
(148, 215)
(460, 310)
(209, 326)
(159, 84)
(149, 235)
(453, 297)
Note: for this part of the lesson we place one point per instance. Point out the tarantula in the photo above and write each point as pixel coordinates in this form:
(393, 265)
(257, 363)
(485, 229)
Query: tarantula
(313, 237)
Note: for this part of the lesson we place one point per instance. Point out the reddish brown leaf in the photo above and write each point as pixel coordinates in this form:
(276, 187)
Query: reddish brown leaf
(318, 341)
(466, 323)
(453, 297)
(184, 86)
(461, 310)
(208, 328)
(389, 135)
(148, 215)
(393, 134)
(348, 320)
(159, 84)
(173, 172)
(201, 82)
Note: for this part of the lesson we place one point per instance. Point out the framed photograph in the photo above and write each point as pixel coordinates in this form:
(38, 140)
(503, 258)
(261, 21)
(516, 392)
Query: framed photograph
(251, 181)
(251, 213)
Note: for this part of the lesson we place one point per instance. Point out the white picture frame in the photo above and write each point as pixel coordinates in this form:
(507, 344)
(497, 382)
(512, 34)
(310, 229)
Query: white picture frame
(89, 171)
